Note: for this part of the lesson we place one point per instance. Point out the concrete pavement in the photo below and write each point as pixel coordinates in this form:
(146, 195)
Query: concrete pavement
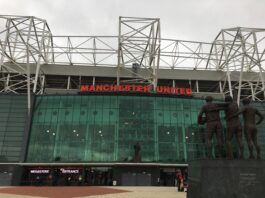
(129, 192)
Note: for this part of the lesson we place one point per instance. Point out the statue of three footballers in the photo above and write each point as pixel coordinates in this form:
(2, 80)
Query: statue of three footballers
(232, 112)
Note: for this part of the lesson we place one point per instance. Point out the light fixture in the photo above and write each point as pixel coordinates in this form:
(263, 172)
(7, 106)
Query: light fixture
(48, 131)
(53, 133)
(74, 130)
(168, 132)
(99, 131)
(77, 134)
(187, 137)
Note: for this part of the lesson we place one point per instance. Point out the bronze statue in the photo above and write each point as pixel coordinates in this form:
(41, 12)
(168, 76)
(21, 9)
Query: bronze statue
(137, 156)
(250, 130)
(233, 127)
(213, 124)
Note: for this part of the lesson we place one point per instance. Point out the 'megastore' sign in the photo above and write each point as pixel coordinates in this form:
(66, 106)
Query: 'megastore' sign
(39, 171)
(135, 88)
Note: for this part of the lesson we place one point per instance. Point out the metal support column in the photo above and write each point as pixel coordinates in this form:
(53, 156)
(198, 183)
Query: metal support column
(227, 65)
(39, 59)
(42, 84)
(7, 82)
(119, 53)
(28, 68)
(259, 63)
(220, 87)
(68, 82)
(197, 86)
(4, 44)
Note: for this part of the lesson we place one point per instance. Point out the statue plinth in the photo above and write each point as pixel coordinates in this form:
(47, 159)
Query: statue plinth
(226, 178)
(137, 155)
(137, 158)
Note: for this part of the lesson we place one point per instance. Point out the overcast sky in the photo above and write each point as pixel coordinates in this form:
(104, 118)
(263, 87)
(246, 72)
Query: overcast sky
(196, 20)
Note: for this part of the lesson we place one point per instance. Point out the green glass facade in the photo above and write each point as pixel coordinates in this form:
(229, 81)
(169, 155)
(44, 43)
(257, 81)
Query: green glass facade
(104, 128)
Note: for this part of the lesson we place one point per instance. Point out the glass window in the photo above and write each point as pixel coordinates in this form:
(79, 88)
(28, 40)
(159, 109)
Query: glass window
(105, 128)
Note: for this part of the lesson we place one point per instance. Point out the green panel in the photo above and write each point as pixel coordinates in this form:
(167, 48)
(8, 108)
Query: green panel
(13, 118)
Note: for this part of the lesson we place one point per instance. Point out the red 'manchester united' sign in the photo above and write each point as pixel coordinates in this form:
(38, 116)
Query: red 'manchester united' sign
(135, 88)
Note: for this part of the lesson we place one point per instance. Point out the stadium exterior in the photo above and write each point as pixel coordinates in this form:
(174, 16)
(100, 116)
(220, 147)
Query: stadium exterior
(73, 107)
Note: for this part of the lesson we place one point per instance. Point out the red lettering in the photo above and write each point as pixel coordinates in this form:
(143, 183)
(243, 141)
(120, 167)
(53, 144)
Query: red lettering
(121, 88)
(84, 88)
(140, 88)
(134, 88)
(92, 88)
(188, 91)
(166, 90)
(182, 90)
(146, 89)
(106, 87)
(99, 87)
(127, 88)
(113, 88)
(159, 89)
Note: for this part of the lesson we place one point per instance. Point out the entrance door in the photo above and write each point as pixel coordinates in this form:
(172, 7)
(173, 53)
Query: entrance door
(128, 179)
(98, 176)
(143, 179)
(136, 179)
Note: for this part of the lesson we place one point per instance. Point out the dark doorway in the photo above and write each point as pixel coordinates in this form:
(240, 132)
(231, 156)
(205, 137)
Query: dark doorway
(136, 179)
(98, 176)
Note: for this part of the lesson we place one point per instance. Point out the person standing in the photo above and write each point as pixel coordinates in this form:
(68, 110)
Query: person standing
(180, 181)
